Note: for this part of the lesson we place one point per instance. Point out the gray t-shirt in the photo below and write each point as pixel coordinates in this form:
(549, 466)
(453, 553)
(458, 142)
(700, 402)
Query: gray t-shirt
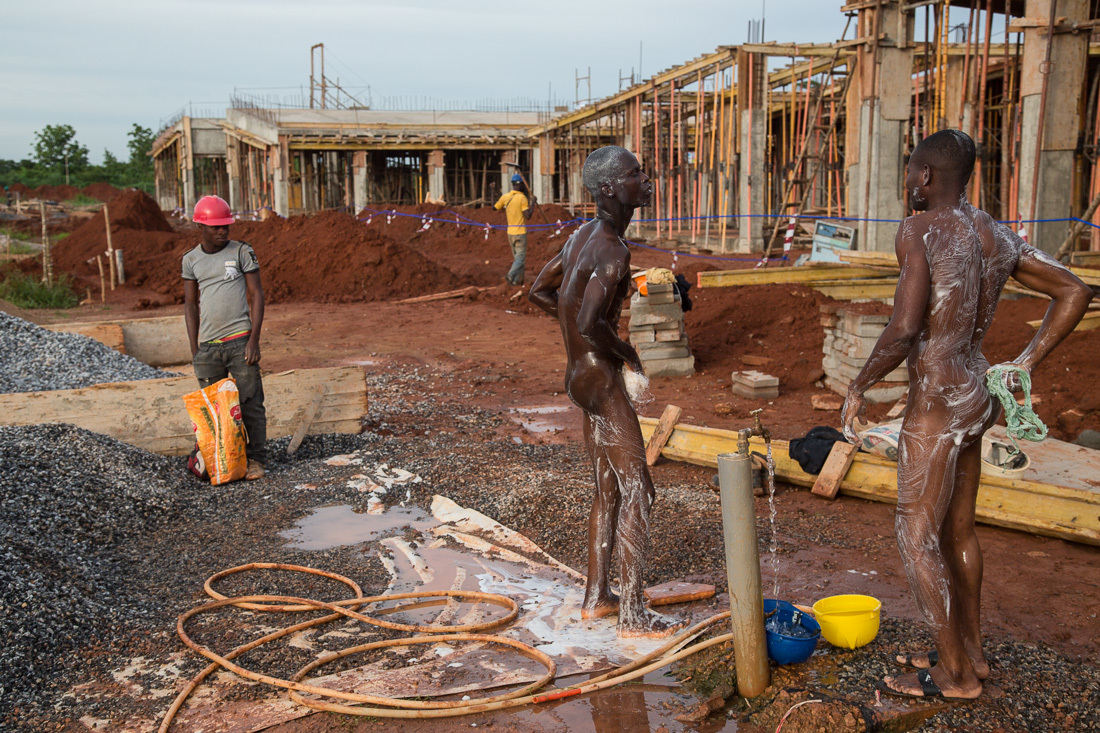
(223, 297)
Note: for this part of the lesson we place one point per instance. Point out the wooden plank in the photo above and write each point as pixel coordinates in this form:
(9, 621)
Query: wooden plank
(160, 341)
(1088, 322)
(1025, 504)
(677, 591)
(665, 425)
(862, 257)
(857, 289)
(1089, 276)
(836, 467)
(1085, 258)
(108, 334)
(305, 419)
(150, 414)
(807, 275)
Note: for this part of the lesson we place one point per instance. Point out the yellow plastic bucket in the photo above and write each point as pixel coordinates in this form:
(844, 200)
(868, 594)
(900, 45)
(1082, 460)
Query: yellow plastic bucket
(848, 621)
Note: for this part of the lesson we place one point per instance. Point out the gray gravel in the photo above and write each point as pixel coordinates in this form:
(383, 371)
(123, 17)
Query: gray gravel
(70, 499)
(34, 359)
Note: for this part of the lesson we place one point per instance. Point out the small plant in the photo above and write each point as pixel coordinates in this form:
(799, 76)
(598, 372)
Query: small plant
(27, 291)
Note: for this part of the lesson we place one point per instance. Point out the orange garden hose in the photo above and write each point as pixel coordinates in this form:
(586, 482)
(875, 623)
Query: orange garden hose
(386, 707)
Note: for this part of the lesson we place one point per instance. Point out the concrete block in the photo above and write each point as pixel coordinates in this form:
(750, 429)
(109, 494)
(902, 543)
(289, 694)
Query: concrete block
(662, 352)
(652, 288)
(878, 394)
(669, 325)
(682, 367)
(656, 319)
(646, 336)
(755, 379)
(678, 343)
(764, 393)
(829, 321)
(660, 299)
(668, 309)
(671, 334)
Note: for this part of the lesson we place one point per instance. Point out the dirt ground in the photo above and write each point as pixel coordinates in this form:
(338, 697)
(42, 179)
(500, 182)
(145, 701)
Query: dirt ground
(493, 354)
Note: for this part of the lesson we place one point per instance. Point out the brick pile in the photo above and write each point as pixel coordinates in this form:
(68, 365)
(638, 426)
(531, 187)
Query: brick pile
(849, 339)
(755, 385)
(657, 332)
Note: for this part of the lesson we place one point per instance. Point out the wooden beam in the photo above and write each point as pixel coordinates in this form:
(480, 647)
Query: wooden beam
(1031, 506)
(1089, 322)
(807, 275)
(665, 425)
(108, 334)
(304, 420)
(835, 469)
(150, 414)
(160, 341)
(857, 289)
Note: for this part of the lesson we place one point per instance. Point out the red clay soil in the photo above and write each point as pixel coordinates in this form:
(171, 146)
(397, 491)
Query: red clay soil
(21, 189)
(56, 193)
(331, 257)
(101, 191)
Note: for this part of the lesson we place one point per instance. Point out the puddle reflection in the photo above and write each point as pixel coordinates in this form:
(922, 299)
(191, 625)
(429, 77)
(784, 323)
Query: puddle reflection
(334, 526)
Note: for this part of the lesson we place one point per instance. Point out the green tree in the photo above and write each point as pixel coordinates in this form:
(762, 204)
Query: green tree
(56, 145)
(140, 143)
(109, 159)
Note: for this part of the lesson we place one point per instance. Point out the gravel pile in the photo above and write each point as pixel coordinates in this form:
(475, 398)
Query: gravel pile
(71, 501)
(34, 359)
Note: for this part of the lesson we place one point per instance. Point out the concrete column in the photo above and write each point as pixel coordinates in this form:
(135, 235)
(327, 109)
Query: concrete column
(546, 168)
(187, 167)
(880, 92)
(753, 128)
(359, 178)
(280, 158)
(535, 178)
(233, 172)
(436, 177)
(958, 114)
(576, 184)
(506, 171)
(1065, 80)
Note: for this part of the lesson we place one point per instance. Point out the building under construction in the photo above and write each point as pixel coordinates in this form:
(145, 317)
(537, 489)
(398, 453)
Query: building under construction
(738, 140)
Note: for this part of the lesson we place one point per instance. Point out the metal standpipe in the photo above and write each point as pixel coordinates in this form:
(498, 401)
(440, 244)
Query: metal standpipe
(743, 571)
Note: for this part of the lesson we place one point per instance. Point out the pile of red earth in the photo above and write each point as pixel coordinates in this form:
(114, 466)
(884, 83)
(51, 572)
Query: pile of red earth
(101, 191)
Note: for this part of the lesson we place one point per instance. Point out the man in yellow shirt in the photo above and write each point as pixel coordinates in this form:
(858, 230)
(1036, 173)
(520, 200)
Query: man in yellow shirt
(517, 210)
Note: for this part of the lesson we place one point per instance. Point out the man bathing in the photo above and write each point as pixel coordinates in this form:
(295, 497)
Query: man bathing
(955, 259)
(584, 287)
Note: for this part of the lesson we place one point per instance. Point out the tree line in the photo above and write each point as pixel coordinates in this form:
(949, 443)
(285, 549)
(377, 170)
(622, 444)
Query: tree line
(59, 159)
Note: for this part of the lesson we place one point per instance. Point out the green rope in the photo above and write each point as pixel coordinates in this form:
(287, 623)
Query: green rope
(1022, 421)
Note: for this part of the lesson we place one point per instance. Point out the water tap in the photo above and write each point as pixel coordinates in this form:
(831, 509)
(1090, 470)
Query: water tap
(757, 428)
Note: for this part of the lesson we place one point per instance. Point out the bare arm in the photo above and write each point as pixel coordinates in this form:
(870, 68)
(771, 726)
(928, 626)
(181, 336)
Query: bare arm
(256, 314)
(191, 313)
(544, 292)
(530, 206)
(897, 339)
(1069, 299)
(595, 315)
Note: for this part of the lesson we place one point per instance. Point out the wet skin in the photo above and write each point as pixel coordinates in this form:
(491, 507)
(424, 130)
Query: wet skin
(584, 287)
(954, 260)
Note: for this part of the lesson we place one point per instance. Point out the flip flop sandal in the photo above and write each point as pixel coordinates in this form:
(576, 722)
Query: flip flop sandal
(907, 660)
(928, 687)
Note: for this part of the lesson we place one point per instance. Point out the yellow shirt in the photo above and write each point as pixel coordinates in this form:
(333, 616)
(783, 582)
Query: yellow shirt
(514, 204)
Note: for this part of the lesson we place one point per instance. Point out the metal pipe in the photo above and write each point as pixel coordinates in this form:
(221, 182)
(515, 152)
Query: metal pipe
(743, 570)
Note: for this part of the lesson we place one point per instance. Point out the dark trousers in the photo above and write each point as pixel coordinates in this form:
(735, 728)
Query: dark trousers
(215, 362)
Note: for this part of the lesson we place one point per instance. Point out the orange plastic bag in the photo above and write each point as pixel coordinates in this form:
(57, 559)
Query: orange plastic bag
(215, 414)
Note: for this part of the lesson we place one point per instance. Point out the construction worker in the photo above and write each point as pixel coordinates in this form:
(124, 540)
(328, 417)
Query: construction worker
(517, 210)
(224, 310)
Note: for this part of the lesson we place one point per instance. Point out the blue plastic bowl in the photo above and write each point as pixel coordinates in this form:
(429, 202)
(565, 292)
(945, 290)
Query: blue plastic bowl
(785, 649)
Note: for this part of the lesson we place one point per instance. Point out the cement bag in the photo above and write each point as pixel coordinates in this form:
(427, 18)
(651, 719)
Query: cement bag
(215, 414)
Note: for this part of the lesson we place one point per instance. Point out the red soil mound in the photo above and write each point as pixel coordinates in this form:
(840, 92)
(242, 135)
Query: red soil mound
(56, 193)
(101, 191)
(23, 190)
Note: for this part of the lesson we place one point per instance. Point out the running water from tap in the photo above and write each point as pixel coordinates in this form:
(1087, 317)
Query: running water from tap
(773, 543)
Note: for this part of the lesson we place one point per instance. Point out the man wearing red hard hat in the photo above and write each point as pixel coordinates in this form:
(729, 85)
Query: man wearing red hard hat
(224, 310)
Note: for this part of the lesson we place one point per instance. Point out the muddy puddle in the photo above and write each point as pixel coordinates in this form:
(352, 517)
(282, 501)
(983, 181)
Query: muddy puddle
(338, 525)
(539, 422)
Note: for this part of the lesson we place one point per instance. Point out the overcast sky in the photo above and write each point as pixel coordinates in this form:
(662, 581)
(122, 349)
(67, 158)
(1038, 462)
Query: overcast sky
(102, 66)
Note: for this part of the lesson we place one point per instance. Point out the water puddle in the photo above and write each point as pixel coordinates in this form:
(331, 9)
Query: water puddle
(538, 420)
(334, 526)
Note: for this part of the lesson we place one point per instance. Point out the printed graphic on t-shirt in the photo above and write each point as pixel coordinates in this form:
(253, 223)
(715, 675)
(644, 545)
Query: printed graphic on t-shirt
(232, 272)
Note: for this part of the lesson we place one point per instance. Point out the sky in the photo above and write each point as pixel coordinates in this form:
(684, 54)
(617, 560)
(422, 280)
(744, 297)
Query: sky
(102, 66)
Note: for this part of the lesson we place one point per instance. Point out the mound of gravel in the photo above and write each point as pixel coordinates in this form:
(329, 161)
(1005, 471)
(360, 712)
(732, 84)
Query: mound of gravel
(70, 501)
(34, 359)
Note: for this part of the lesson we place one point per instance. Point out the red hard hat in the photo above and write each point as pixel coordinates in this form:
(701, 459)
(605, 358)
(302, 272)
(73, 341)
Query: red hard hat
(212, 211)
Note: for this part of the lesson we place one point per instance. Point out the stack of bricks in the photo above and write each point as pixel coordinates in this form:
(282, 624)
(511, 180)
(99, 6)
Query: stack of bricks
(849, 339)
(657, 332)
